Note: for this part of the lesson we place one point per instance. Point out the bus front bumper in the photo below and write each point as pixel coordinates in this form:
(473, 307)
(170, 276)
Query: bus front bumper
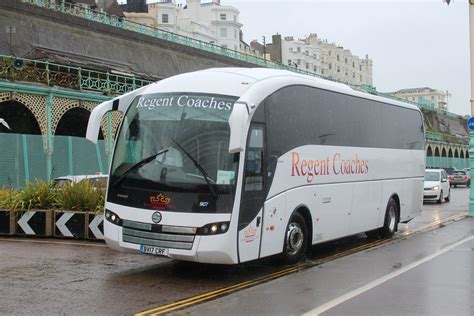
(205, 249)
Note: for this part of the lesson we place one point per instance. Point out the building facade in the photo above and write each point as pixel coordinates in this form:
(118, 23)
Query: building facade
(301, 55)
(209, 22)
(427, 96)
(323, 58)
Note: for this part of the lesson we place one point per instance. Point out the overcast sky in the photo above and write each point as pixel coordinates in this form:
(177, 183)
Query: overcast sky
(413, 43)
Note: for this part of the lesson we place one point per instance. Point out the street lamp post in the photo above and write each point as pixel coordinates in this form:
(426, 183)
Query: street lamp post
(471, 132)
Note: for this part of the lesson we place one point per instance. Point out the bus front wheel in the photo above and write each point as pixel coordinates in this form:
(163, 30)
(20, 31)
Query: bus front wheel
(391, 219)
(296, 239)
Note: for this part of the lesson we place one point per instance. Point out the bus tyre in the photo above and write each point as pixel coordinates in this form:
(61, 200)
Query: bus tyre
(391, 219)
(296, 239)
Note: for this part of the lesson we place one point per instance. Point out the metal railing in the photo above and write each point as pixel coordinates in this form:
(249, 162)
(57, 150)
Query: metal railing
(53, 74)
(447, 138)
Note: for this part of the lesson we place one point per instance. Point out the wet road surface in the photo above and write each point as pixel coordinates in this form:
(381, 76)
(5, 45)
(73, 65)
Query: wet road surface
(60, 277)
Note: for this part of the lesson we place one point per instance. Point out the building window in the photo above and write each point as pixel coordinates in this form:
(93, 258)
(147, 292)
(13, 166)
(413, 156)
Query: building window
(298, 49)
(307, 53)
(353, 75)
(346, 73)
(329, 53)
(223, 32)
(322, 71)
(315, 69)
(338, 69)
(164, 18)
(345, 60)
(330, 66)
(337, 57)
(235, 18)
(432, 97)
(360, 67)
(235, 34)
(307, 65)
(353, 64)
(299, 61)
(289, 62)
(291, 49)
(223, 16)
(361, 78)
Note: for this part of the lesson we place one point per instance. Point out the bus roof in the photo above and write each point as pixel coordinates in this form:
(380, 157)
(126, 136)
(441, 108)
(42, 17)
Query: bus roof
(252, 85)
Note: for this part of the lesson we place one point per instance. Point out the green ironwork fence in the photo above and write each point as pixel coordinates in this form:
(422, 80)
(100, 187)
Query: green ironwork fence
(447, 162)
(22, 158)
(52, 74)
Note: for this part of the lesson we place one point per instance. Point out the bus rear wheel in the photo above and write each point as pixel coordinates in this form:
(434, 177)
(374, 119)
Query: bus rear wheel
(391, 219)
(296, 239)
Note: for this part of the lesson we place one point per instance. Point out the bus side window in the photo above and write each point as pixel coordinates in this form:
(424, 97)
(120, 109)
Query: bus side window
(254, 160)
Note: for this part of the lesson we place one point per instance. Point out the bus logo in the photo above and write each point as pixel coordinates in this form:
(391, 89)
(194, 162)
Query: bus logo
(160, 202)
(156, 217)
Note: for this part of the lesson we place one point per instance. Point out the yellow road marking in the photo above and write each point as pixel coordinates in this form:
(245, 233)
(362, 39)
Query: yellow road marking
(274, 275)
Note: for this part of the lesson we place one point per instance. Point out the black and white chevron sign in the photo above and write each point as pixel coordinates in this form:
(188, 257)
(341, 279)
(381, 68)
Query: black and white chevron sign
(31, 223)
(69, 224)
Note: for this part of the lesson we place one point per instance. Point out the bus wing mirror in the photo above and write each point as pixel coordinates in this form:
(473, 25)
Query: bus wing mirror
(238, 122)
(120, 104)
(93, 126)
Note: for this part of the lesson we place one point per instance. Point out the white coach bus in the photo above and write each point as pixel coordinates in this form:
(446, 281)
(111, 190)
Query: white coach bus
(231, 165)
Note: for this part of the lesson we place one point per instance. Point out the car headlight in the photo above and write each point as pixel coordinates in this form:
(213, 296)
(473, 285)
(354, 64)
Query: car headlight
(435, 188)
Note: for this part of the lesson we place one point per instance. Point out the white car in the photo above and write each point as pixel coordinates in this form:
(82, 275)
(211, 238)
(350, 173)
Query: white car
(436, 187)
(97, 180)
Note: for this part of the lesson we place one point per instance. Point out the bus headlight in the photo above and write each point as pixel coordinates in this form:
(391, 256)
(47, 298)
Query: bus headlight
(112, 217)
(213, 229)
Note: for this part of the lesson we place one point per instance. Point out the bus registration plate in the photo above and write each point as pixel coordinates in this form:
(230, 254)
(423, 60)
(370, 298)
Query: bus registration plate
(154, 250)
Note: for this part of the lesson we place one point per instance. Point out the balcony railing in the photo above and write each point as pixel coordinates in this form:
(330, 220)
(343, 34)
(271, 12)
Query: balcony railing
(52, 74)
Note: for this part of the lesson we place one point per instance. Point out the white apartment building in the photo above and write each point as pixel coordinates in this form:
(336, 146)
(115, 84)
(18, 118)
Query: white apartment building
(297, 53)
(324, 58)
(424, 95)
(209, 22)
(340, 64)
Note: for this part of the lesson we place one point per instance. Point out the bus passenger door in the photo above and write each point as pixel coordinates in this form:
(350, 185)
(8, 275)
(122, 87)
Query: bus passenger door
(253, 195)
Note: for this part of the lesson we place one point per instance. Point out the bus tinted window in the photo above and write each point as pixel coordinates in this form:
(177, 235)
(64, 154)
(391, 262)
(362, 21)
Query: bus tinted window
(300, 115)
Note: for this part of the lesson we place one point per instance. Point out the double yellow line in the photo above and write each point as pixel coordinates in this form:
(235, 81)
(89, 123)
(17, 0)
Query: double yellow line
(243, 285)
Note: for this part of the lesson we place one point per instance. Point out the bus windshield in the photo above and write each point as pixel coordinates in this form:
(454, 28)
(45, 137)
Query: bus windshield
(172, 154)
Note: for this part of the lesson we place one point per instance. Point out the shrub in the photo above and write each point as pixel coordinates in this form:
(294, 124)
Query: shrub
(82, 197)
(9, 199)
(38, 194)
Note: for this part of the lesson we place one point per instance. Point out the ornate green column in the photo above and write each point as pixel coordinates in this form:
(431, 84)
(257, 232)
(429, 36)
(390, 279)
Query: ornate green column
(471, 165)
(49, 137)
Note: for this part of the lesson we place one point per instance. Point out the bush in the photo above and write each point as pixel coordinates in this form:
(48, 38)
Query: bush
(38, 194)
(82, 197)
(9, 199)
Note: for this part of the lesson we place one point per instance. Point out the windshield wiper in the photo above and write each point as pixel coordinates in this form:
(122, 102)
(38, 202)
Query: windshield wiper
(204, 173)
(138, 165)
